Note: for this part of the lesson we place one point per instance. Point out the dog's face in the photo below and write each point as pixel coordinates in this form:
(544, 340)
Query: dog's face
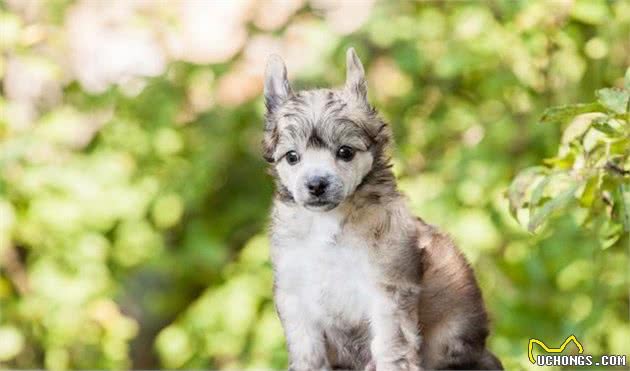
(322, 143)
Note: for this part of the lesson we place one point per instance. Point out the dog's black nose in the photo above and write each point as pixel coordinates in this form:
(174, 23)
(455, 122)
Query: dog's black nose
(317, 185)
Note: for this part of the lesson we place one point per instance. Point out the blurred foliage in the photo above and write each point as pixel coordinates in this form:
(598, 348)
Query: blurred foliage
(132, 216)
(592, 167)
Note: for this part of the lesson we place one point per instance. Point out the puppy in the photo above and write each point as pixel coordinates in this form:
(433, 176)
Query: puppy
(359, 282)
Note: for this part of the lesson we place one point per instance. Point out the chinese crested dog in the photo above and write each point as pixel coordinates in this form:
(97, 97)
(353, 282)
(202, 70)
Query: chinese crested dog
(359, 281)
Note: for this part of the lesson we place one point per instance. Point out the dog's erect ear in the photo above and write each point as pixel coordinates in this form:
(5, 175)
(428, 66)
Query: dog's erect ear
(355, 75)
(277, 88)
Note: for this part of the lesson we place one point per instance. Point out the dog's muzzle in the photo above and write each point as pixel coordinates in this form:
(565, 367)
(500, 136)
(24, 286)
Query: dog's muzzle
(323, 193)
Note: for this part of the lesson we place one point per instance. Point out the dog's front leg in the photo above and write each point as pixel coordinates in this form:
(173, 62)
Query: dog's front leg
(305, 339)
(396, 338)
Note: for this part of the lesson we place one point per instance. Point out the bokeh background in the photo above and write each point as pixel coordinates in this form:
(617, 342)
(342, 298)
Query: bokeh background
(134, 199)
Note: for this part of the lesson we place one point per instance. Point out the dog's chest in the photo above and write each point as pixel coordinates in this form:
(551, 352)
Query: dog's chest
(329, 269)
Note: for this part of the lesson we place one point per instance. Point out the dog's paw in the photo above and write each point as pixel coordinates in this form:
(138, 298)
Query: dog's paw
(407, 365)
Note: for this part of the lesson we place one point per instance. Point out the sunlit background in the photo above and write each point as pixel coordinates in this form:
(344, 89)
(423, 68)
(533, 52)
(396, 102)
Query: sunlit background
(134, 199)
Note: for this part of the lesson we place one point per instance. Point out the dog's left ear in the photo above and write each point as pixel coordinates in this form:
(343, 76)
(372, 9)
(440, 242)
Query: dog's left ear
(355, 75)
(277, 88)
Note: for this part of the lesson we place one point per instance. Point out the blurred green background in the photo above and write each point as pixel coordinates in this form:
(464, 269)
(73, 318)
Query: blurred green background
(134, 198)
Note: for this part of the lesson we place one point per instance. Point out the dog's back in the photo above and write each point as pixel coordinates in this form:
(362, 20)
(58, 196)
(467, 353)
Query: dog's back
(453, 320)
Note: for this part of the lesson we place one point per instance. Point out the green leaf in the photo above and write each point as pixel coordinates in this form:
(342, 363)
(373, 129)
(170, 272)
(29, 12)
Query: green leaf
(591, 190)
(518, 189)
(614, 99)
(557, 203)
(562, 114)
(609, 233)
(580, 125)
(605, 127)
(538, 192)
(564, 160)
(626, 79)
(593, 139)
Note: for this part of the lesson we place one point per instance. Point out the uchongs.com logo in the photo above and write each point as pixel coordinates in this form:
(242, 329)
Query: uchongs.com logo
(579, 359)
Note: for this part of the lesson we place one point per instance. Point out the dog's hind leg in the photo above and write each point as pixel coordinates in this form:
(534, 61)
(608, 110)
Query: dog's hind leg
(457, 343)
(489, 361)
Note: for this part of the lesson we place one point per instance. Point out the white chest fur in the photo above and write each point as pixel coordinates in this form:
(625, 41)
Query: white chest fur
(325, 269)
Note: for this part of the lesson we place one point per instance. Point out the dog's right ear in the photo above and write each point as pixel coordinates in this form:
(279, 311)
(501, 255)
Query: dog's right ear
(277, 88)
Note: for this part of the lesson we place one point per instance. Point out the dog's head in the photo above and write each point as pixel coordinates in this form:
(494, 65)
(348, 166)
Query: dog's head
(323, 144)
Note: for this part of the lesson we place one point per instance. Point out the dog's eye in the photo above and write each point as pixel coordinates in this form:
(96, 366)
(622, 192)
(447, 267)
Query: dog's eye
(292, 157)
(345, 153)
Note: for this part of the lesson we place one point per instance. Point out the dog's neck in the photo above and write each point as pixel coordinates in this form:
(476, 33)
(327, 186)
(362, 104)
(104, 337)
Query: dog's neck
(378, 185)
